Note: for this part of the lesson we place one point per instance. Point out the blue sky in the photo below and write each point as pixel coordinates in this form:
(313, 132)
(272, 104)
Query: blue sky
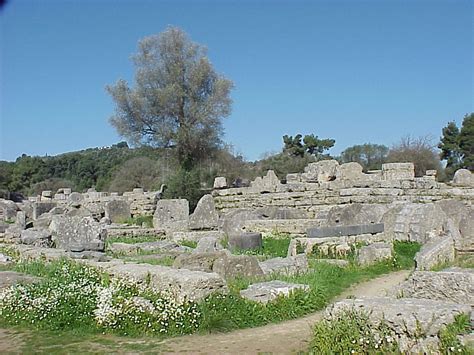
(355, 71)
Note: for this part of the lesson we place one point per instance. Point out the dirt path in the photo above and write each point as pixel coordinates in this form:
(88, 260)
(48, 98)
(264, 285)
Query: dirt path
(283, 338)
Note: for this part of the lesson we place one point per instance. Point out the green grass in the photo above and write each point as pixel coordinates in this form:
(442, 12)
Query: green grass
(405, 253)
(462, 261)
(217, 312)
(147, 221)
(272, 247)
(188, 243)
(449, 341)
(134, 240)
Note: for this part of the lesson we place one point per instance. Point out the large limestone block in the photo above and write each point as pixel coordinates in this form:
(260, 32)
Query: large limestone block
(38, 238)
(78, 233)
(117, 210)
(269, 183)
(414, 221)
(198, 261)
(172, 215)
(356, 213)
(245, 241)
(350, 171)
(321, 171)
(193, 285)
(463, 177)
(398, 171)
(406, 316)
(40, 208)
(287, 266)
(337, 231)
(264, 292)
(437, 251)
(220, 182)
(466, 229)
(373, 253)
(455, 285)
(75, 199)
(208, 244)
(232, 223)
(10, 278)
(205, 215)
(232, 266)
(8, 210)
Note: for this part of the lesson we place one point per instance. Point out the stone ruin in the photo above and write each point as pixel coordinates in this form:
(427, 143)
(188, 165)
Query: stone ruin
(327, 209)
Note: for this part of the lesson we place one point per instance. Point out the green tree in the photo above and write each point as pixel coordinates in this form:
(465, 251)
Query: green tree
(450, 150)
(466, 142)
(370, 156)
(178, 100)
(311, 145)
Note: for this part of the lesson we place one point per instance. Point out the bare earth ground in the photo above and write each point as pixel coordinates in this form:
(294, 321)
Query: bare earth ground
(283, 338)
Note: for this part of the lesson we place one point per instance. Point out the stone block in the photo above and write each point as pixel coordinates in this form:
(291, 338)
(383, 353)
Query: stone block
(463, 177)
(207, 245)
(198, 261)
(75, 199)
(373, 253)
(321, 171)
(337, 231)
(117, 210)
(264, 292)
(456, 285)
(37, 238)
(287, 266)
(245, 241)
(40, 208)
(232, 266)
(398, 171)
(220, 182)
(172, 215)
(349, 171)
(437, 251)
(205, 215)
(78, 233)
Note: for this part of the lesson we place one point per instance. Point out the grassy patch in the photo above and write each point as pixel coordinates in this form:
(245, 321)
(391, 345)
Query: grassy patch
(449, 342)
(272, 247)
(75, 297)
(463, 261)
(141, 221)
(188, 243)
(134, 240)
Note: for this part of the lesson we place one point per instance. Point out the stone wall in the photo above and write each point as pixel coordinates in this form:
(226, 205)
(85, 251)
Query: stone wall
(315, 193)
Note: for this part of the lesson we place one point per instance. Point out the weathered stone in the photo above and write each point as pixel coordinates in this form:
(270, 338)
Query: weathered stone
(272, 212)
(232, 266)
(268, 291)
(8, 210)
(172, 215)
(46, 195)
(398, 171)
(406, 316)
(466, 228)
(57, 210)
(42, 207)
(38, 238)
(5, 259)
(12, 233)
(373, 253)
(245, 241)
(10, 278)
(192, 285)
(349, 171)
(291, 226)
(269, 183)
(321, 171)
(205, 215)
(414, 221)
(431, 173)
(76, 233)
(21, 219)
(117, 210)
(207, 245)
(356, 213)
(198, 261)
(293, 178)
(437, 251)
(450, 286)
(220, 182)
(42, 222)
(287, 266)
(78, 212)
(463, 177)
(75, 199)
(337, 231)
(232, 223)
(106, 221)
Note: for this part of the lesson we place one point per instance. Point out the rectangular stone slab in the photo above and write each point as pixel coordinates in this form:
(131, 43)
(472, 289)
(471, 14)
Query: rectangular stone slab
(338, 231)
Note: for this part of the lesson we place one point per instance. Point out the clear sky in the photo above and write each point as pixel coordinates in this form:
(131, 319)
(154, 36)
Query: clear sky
(356, 71)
